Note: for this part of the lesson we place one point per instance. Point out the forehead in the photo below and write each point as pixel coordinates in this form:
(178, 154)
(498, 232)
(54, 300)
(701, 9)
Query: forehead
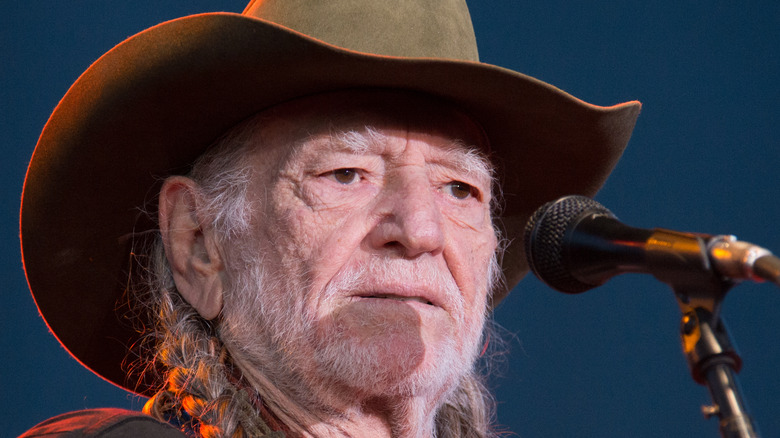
(292, 123)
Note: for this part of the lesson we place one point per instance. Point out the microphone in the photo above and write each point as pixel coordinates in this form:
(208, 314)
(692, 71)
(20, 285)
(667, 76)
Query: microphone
(574, 244)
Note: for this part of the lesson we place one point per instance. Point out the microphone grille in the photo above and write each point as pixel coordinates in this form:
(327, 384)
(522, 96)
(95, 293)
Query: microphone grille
(544, 233)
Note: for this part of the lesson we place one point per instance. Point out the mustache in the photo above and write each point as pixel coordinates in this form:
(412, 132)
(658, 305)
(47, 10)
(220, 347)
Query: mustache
(377, 273)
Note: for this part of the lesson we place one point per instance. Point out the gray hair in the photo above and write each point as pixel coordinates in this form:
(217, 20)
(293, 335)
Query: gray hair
(203, 390)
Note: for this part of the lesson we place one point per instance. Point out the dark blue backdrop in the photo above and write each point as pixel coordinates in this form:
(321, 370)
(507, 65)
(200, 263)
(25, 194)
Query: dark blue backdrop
(606, 363)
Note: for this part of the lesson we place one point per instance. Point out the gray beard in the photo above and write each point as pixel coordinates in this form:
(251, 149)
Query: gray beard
(266, 322)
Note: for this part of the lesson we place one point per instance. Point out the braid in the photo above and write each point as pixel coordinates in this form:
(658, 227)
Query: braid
(198, 394)
(467, 411)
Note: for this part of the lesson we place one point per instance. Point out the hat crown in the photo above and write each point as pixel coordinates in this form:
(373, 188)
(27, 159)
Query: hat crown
(405, 28)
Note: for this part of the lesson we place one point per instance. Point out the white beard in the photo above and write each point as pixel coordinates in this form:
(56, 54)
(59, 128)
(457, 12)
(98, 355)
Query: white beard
(396, 358)
(267, 323)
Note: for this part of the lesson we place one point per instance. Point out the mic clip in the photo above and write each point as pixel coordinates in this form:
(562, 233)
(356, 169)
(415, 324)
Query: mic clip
(735, 259)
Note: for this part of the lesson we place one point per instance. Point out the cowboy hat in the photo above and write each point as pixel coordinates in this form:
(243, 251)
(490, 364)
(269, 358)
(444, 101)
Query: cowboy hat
(155, 102)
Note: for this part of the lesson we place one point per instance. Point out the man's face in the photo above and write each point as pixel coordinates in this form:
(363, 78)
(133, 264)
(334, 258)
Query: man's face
(371, 244)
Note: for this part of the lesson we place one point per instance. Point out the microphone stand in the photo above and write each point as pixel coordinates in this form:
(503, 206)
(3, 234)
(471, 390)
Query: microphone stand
(712, 359)
(713, 362)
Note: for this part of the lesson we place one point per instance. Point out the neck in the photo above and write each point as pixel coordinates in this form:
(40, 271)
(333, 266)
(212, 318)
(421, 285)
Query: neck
(330, 412)
(412, 418)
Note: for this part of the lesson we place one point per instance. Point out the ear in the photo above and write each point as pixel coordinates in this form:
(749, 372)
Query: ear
(191, 248)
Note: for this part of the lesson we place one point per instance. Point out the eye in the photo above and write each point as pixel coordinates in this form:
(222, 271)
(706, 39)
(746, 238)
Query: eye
(460, 190)
(345, 176)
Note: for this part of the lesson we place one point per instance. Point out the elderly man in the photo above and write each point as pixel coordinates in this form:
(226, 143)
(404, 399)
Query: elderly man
(328, 238)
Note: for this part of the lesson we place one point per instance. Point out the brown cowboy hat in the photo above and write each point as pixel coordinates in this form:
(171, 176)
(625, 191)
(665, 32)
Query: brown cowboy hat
(151, 105)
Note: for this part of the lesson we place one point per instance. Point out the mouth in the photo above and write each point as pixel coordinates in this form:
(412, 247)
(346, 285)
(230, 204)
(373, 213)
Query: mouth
(399, 298)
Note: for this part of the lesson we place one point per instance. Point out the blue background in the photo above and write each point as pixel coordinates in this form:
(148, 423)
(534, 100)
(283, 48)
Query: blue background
(704, 157)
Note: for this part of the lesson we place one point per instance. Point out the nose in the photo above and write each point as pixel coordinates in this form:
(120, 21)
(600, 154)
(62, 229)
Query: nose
(410, 220)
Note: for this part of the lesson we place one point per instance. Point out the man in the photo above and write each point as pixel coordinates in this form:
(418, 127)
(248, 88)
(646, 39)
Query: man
(325, 264)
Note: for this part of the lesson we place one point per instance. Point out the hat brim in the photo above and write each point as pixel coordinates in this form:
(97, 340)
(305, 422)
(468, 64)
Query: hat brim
(154, 103)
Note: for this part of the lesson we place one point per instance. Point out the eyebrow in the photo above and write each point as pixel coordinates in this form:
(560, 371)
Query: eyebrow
(361, 142)
(457, 154)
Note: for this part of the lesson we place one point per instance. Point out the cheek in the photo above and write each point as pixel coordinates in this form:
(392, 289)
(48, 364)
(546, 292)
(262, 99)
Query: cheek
(318, 241)
(320, 235)
(471, 244)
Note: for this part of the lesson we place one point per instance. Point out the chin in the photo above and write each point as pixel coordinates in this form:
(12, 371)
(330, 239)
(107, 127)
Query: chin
(394, 361)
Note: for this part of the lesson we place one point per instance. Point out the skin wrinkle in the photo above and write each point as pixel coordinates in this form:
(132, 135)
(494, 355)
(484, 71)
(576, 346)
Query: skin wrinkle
(437, 168)
(463, 157)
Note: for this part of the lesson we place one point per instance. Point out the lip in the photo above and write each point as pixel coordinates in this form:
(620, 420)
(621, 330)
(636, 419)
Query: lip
(403, 293)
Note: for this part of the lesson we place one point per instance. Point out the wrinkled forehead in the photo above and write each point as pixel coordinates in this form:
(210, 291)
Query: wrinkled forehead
(333, 113)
